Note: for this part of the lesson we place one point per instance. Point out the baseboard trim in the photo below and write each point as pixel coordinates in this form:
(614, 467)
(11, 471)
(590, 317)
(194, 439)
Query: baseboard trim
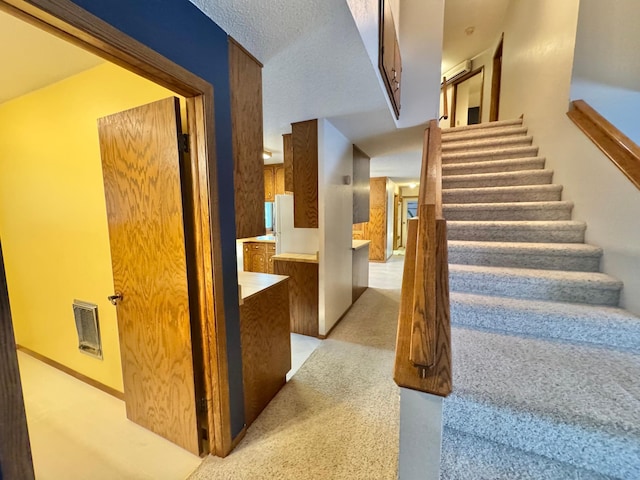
(324, 337)
(79, 376)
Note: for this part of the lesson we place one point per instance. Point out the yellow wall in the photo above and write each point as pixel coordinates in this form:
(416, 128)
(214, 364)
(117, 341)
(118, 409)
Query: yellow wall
(53, 223)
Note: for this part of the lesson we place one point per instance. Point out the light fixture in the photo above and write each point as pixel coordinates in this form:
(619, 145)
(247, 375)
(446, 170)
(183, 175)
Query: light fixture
(413, 185)
(266, 154)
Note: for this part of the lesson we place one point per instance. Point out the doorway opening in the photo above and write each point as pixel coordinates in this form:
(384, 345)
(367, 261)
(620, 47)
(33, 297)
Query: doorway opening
(59, 187)
(465, 97)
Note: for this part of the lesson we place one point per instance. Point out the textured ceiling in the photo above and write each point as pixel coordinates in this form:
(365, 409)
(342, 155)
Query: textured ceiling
(41, 60)
(316, 65)
(486, 16)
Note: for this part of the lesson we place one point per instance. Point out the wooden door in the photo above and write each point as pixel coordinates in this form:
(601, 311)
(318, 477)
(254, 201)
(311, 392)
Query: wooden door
(141, 166)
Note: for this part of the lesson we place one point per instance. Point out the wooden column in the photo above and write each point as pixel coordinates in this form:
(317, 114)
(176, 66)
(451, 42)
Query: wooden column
(15, 449)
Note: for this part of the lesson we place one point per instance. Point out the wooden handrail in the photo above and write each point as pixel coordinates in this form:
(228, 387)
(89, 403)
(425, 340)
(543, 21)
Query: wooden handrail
(445, 100)
(423, 344)
(620, 149)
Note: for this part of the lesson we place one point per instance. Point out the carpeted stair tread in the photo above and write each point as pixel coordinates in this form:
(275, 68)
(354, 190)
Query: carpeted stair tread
(567, 231)
(573, 403)
(548, 256)
(573, 322)
(559, 210)
(494, 179)
(489, 154)
(468, 457)
(487, 143)
(561, 286)
(518, 193)
(495, 166)
(453, 136)
(482, 126)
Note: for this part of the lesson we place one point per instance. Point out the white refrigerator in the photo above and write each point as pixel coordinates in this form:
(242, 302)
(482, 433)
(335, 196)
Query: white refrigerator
(288, 238)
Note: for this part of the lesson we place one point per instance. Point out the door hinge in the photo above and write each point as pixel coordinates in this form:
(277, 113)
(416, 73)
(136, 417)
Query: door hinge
(183, 142)
(202, 405)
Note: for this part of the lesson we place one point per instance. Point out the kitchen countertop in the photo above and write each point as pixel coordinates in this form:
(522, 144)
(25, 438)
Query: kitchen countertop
(356, 244)
(261, 238)
(253, 283)
(297, 257)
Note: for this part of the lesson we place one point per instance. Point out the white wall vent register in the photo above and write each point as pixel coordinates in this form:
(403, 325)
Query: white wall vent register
(86, 316)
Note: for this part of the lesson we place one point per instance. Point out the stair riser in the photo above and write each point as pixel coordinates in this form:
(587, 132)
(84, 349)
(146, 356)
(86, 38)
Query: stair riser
(542, 178)
(546, 195)
(482, 126)
(546, 325)
(482, 134)
(506, 234)
(481, 156)
(486, 144)
(539, 288)
(497, 166)
(513, 214)
(582, 447)
(519, 260)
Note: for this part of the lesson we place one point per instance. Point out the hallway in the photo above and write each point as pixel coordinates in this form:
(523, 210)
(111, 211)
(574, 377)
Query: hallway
(339, 415)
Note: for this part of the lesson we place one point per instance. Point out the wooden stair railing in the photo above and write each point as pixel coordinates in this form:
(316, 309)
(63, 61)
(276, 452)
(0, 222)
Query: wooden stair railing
(423, 342)
(445, 100)
(620, 149)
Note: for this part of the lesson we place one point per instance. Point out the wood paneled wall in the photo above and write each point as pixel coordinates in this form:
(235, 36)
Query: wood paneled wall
(305, 173)
(361, 172)
(15, 449)
(245, 76)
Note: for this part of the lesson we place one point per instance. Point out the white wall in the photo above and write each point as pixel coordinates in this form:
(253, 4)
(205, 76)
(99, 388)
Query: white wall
(536, 73)
(335, 210)
(606, 73)
(421, 24)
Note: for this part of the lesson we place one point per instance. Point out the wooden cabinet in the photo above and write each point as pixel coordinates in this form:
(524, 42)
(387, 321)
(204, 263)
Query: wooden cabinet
(245, 78)
(305, 173)
(389, 59)
(266, 341)
(273, 181)
(269, 184)
(303, 294)
(361, 174)
(257, 256)
(287, 152)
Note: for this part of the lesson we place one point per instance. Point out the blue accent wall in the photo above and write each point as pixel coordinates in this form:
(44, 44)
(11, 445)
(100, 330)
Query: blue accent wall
(178, 30)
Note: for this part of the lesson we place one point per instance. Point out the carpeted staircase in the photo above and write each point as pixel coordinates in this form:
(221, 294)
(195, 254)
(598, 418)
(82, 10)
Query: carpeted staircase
(546, 367)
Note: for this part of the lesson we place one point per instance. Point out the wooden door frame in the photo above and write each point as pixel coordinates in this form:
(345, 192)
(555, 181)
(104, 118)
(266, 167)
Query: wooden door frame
(454, 94)
(496, 80)
(70, 22)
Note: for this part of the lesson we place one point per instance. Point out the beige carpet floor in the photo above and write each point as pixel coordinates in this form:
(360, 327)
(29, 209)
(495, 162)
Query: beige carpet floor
(338, 417)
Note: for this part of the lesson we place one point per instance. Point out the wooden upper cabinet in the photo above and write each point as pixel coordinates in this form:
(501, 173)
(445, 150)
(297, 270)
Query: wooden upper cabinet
(361, 189)
(305, 173)
(389, 59)
(279, 178)
(245, 77)
(273, 181)
(269, 184)
(287, 144)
